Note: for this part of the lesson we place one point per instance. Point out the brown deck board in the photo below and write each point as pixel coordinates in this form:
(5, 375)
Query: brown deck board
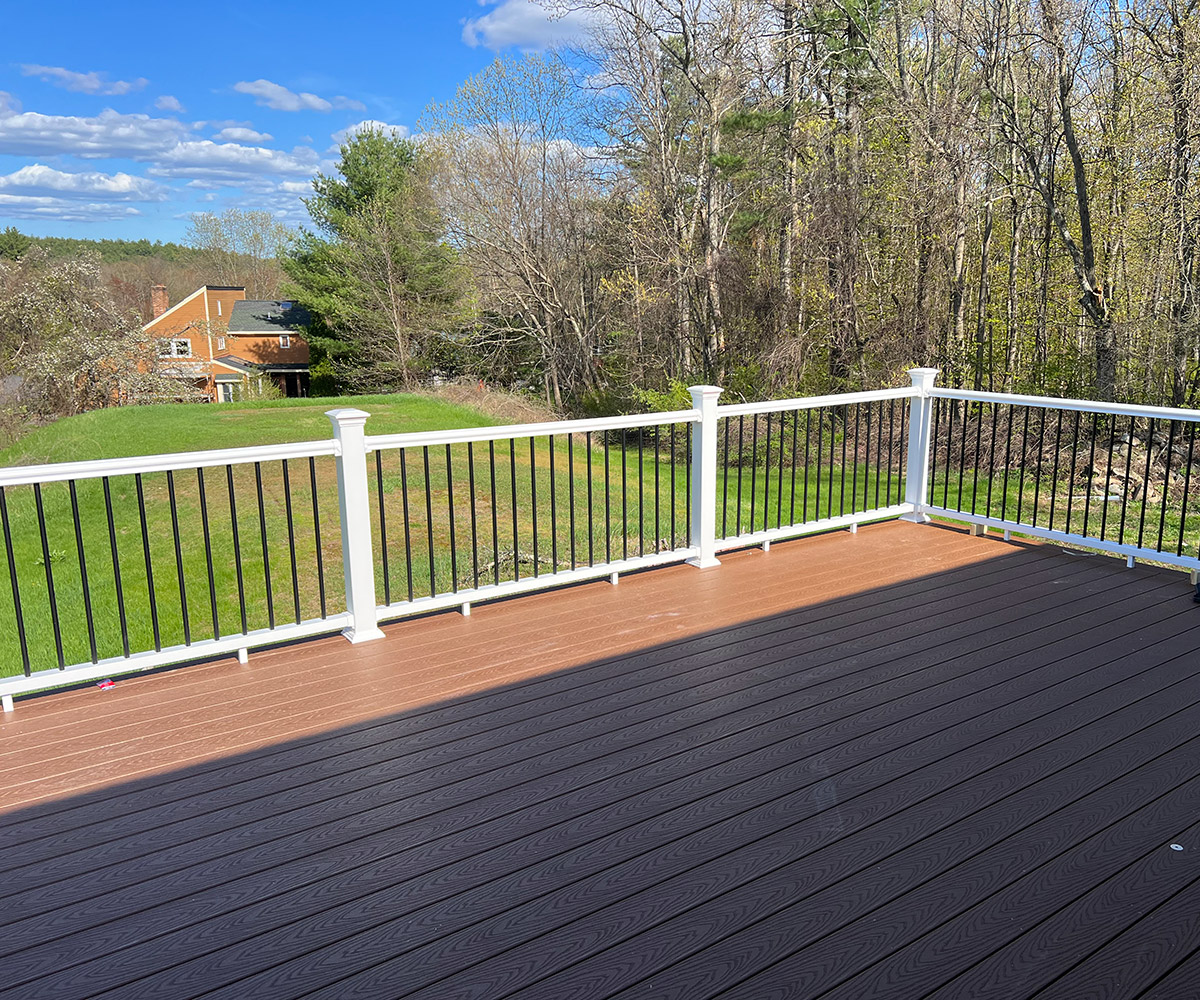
(882, 764)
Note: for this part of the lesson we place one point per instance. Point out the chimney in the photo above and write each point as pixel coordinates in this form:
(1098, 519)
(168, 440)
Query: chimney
(158, 300)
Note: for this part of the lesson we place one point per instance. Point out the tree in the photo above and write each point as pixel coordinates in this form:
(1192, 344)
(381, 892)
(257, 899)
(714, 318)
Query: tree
(520, 196)
(13, 243)
(240, 248)
(376, 271)
(73, 350)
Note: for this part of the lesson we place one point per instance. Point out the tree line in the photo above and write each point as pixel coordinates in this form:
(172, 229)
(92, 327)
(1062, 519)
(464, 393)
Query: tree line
(780, 195)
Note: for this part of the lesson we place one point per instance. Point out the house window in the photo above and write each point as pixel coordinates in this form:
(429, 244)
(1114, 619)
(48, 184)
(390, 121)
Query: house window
(220, 343)
(175, 347)
(225, 392)
(285, 341)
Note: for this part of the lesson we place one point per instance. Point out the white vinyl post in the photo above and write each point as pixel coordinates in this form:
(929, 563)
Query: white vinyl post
(704, 476)
(920, 419)
(354, 504)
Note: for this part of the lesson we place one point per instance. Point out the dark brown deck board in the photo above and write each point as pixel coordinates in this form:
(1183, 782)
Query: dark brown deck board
(829, 779)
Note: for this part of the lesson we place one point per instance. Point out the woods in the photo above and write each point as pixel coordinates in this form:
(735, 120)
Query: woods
(783, 196)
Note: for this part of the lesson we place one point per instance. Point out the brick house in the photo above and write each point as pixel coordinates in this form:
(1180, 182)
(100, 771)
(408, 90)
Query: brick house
(222, 343)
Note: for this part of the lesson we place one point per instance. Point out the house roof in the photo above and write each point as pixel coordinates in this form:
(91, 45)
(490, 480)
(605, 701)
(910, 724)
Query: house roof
(267, 316)
(202, 290)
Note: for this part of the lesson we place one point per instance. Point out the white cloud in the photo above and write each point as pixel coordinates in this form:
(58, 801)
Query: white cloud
(169, 103)
(85, 83)
(279, 98)
(17, 206)
(523, 24)
(231, 163)
(239, 134)
(370, 125)
(38, 179)
(107, 134)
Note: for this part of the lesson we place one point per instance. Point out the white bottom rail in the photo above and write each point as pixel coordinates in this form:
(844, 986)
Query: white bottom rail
(544, 581)
(205, 649)
(812, 527)
(1083, 541)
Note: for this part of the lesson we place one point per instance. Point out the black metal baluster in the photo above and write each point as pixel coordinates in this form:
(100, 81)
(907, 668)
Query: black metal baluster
(15, 586)
(1125, 487)
(453, 525)
(312, 481)
(83, 573)
(1146, 482)
(657, 494)
(495, 514)
(624, 500)
(607, 505)
(262, 530)
(474, 516)
(1162, 506)
(766, 480)
(152, 600)
(587, 441)
(687, 484)
(641, 493)
(820, 454)
(1037, 483)
(807, 443)
(1091, 472)
(553, 510)
(992, 457)
(978, 456)
(291, 527)
(571, 491)
(962, 451)
(408, 563)
(934, 441)
(237, 545)
(49, 573)
(741, 441)
(1071, 480)
(212, 587)
(383, 539)
(891, 441)
(952, 409)
(674, 536)
(1008, 434)
(845, 421)
(724, 486)
(1187, 482)
(1054, 469)
(429, 520)
(792, 495)
(179, 578)
(854, 458)
(512, 472)
(1111, 430)
(1021, 467)
(533, 503)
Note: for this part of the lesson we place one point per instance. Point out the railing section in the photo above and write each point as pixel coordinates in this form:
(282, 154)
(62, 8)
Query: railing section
(792, 467)
(141, 562)
(467, 515)
(1112, 477)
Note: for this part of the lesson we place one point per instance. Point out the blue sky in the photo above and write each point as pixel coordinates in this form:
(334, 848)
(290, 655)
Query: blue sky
(120, 120)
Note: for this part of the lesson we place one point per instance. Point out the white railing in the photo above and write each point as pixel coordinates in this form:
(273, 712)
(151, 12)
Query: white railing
(148, 556)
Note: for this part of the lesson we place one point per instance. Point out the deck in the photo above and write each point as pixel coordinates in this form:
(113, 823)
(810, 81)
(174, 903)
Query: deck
(901, 763)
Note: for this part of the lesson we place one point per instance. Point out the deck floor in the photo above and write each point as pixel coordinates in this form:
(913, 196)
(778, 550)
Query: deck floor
(902, 763)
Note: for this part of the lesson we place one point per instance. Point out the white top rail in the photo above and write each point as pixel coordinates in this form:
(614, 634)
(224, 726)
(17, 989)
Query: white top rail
(1084, 405)
(815, 402)
(27, 475)
(418, 439)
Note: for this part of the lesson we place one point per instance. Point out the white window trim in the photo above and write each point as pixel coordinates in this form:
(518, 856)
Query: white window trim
(175, 347)
(285, 340)
(220, 343)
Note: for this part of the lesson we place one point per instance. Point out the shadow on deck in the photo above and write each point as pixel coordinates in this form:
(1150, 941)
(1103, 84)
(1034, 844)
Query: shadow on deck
(904, 763)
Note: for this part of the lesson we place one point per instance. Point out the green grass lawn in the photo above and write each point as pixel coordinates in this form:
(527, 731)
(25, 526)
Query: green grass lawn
(209, 577)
